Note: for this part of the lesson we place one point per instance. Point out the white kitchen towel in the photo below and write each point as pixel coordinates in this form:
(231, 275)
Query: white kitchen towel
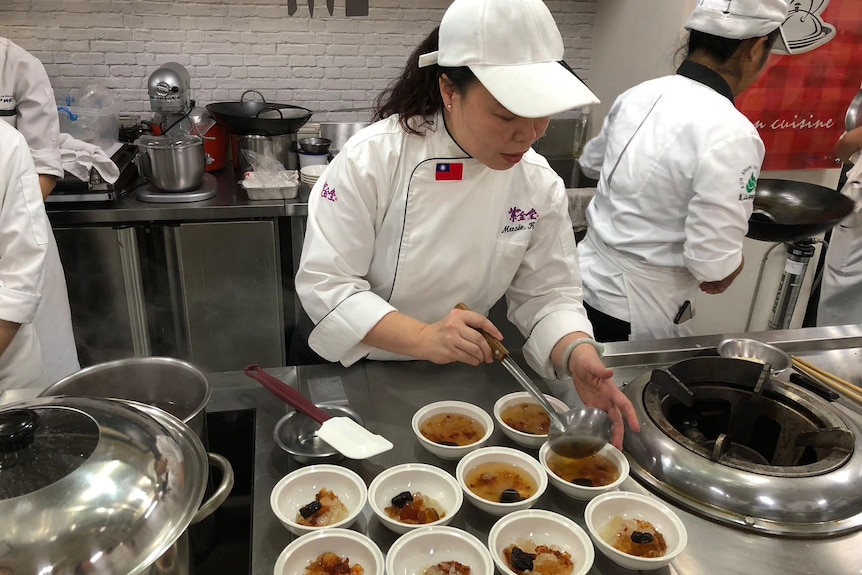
(78, 157)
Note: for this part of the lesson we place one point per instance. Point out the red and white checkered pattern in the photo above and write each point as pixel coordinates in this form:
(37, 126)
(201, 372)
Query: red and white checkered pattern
(816, 85)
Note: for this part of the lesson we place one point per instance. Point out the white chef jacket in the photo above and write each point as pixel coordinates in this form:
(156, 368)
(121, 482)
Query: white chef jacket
(23, 247)
(410, 223)
(676, 165)
(27, 103)
(841, 290)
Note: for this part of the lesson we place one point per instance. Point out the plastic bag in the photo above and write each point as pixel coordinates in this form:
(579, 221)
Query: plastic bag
(268, 172)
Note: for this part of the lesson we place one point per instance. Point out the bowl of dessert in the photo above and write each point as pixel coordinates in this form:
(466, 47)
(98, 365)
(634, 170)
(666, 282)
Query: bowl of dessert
(500, 480)
(438, 550)
(413, 495)
(452, 429)
(523, 420)
(318, 497)
(584, 478)
(540, 541)
(331, 551)
(635, 531)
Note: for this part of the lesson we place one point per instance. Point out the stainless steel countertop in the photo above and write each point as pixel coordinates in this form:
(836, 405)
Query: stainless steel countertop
(230, 203)
(386, 394)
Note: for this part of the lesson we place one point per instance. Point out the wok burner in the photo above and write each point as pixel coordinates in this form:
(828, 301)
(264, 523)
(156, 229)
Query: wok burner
(725, 439)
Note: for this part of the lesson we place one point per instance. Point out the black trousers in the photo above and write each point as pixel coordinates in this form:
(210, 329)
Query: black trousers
(298, 351)
(607, 328)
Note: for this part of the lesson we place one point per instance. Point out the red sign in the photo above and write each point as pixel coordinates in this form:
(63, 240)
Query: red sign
(798, 104)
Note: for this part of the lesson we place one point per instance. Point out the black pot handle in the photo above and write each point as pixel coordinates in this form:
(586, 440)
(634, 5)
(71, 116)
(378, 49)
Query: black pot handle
(17, 429)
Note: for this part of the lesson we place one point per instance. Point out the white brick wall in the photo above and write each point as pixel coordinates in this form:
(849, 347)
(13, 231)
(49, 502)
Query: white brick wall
(322, 63)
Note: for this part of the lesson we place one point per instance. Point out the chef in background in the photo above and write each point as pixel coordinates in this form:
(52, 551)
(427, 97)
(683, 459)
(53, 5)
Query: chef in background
(841, 290)
(677, 166)
(27, 103)
(442, 201)
(24, 234)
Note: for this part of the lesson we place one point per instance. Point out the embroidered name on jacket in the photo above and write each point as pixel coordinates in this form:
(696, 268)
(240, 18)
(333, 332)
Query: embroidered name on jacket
(328, 193)
(522, 220)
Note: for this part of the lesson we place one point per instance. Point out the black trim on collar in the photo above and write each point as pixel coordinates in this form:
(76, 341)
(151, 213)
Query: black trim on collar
(707, 77)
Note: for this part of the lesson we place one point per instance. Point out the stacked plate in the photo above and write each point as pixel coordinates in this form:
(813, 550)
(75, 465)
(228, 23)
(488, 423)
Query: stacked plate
(309, 174)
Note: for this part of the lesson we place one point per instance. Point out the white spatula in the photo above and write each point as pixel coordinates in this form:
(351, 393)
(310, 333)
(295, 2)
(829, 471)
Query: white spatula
(342, 433)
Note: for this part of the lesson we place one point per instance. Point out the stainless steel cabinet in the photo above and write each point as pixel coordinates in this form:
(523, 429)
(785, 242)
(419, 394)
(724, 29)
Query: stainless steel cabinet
(207, 292)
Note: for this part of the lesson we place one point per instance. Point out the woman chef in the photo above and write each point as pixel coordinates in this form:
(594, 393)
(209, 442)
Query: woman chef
(24, 233)
(841, 292)
(677, 165)
(443, 201)
(27, 103)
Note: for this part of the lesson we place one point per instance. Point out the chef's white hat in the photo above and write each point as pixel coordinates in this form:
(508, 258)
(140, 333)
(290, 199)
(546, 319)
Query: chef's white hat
(737, 19)
(515, 50)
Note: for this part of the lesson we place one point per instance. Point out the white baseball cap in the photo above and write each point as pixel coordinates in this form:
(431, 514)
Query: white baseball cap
(737, 19)
(515, 50)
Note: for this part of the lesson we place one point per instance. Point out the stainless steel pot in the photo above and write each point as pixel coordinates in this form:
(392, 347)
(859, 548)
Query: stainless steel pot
(173, 385)
(172, 163)
(99, 486)
(282, 147)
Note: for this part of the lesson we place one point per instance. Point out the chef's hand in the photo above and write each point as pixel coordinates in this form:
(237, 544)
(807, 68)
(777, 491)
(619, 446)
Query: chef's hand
(849, 144)
(456, 338)
(596, 388)
(721, 285)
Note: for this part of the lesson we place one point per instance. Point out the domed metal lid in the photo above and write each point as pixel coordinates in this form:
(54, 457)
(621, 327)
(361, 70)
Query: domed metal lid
(92, 485)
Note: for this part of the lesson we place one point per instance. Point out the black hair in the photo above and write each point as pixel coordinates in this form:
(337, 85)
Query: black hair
(415, 95)
(719, 48)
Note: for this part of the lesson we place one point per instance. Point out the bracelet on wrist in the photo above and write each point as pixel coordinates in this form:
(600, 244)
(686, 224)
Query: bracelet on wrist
(567, 354)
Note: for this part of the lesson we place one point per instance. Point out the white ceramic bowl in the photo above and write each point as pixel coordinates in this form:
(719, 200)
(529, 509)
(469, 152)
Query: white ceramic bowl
(428, 480)
(583, 492)
(299, 488)
(628, 505)
(413, 553)
(542, 528)
(312, 171)
(508, 456)
(452, 452)
(529, 440)
(343, 542)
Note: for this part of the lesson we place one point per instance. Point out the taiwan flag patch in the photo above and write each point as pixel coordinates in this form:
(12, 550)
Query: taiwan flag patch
(449, 172)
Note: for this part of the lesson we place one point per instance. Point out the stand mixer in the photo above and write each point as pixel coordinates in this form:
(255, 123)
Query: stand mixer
(169, 88)
(173, 159)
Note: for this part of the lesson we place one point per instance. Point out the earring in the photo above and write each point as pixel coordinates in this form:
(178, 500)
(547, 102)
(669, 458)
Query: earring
(448, 106)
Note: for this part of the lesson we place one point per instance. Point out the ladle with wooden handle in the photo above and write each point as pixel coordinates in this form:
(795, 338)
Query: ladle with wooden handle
(577, 433)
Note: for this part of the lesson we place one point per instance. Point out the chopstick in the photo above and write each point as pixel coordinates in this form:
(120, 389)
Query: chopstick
(843, 386)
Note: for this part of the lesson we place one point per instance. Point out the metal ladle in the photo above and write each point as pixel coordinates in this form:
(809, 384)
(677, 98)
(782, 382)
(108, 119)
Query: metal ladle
(576, 433)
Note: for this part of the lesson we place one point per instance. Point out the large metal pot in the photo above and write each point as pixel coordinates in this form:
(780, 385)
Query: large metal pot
(99, 486)
(172, 163)
(170, 384)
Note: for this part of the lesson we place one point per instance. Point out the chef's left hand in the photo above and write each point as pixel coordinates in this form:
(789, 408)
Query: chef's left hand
(596, 388)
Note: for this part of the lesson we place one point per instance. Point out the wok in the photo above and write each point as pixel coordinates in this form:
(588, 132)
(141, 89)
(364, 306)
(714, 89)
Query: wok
(786, 211)
(259, 117)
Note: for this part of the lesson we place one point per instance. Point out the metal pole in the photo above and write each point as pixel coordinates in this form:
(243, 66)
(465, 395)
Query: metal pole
(798, 255)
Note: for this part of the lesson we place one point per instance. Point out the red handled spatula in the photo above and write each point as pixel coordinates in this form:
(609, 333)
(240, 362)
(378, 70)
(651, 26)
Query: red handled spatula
(342, 433)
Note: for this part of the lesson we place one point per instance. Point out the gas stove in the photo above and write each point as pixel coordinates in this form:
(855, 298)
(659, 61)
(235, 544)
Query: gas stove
(727, 440)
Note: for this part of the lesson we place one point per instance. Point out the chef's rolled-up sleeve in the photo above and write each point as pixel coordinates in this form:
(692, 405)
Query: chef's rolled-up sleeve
(545, 297)
(37, 115)
(717, 220)
(336, 257)
(23, 230)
